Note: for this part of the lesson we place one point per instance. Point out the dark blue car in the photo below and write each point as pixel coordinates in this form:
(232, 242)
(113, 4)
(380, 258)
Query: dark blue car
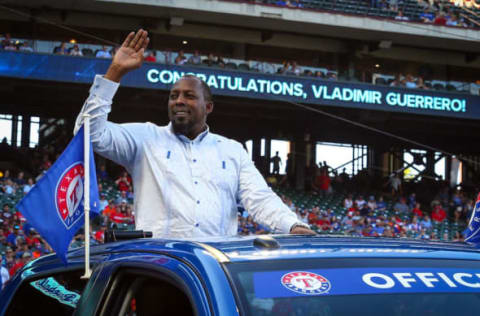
(269, 275)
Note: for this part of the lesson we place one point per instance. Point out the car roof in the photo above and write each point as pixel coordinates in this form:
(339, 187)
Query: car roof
(278, 247)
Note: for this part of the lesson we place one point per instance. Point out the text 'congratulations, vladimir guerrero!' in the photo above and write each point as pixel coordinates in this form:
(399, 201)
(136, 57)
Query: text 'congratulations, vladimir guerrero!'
(315, 93)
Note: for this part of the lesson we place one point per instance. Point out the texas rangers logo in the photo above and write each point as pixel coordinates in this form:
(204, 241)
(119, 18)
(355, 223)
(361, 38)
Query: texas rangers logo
(306, 283)
(69, 194)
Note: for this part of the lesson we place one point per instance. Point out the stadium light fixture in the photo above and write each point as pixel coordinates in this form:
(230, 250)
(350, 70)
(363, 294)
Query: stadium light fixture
(377, 65)
(73, 41)
(176, 21)
(385, 44)
(184, 42)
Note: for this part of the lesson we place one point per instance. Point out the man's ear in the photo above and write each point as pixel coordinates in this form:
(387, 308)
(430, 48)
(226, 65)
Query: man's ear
(209, 107)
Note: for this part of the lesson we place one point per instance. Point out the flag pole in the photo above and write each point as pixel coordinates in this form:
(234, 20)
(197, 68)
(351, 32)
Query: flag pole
(86, 193)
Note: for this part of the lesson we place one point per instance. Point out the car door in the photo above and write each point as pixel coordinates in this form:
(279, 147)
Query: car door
(144, 284)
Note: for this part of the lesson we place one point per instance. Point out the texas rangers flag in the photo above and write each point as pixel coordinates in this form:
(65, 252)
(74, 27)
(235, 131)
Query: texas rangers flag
(54, 206)
(472, 233)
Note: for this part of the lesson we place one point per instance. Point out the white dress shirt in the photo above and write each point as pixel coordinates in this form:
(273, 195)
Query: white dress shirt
(183, 187)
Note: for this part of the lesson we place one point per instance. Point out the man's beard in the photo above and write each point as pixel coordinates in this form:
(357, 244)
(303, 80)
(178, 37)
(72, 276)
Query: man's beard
(182, 127)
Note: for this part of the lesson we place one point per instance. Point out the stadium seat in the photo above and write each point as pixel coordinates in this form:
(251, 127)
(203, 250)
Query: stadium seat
(381, 81)
(87, 52)
(230, 66)
(243, 67)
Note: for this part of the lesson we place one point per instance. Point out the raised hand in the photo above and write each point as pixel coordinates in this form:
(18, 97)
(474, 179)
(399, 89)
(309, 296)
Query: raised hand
(129, 56)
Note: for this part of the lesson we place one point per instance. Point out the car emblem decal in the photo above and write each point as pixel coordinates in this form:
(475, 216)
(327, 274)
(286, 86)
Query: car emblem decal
(306, 283)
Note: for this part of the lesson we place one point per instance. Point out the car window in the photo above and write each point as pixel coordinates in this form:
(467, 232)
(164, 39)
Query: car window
(55, 294)
(328, 287)
(144, 293)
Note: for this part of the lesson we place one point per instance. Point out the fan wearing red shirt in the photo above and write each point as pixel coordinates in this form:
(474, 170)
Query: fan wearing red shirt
(438, 214)
(417, 211)
(124, 182)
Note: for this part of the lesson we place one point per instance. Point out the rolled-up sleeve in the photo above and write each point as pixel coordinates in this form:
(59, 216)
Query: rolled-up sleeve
(262, 203)
(113, 141)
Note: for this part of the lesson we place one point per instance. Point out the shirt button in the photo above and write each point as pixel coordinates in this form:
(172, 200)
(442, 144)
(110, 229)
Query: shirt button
(198, 202)
(196, 182)
(197, 224)
(194, 160)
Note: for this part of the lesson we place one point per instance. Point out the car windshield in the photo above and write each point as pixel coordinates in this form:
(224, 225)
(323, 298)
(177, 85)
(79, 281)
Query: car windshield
(328, 287)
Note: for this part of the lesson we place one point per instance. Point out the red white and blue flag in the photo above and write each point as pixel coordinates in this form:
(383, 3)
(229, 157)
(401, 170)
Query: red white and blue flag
(55, 205)
(472, 233)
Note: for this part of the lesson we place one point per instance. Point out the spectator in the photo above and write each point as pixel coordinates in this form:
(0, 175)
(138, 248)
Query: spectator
(103, 53)
(426, 222)
(26, 258)
(427, 16)
(415, 226)
(4, 275)
(397, 82)
(360, 201)
(109, 209)
(348, 202)
(9, 187)
(440, 19)
(417, 211)
(381, 205)
(62, 50)
(401, 206)
(195, 59)
(277, 162)
(210, 60)
(123, 182)
(421, 84)
(103, 202)
(438, 214)
(452, 20)
(100, 234)
(7, 41)
(25, 47)
(293, 69)
(220, 62)
(401, 17)
(27, 187)
(372, 204)
(322, 183)
(75, 51)
(167, 56)
(410, 82)
(393, 5)
(102, 173)
(151, 57)
(319, 74)
(332, 76)
(181, 59)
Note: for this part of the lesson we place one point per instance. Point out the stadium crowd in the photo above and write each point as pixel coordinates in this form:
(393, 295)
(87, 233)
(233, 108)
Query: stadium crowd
(329, 205)
(436, 12)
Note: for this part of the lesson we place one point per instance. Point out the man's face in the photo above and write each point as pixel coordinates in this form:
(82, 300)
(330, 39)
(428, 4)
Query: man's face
(187, 107)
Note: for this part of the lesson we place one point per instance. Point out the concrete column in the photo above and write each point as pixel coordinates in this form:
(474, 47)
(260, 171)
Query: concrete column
(300, 161)
(14, 130)
(430, 166)
(268, 154)
(256, 150)
(25, 132)
(239, 51)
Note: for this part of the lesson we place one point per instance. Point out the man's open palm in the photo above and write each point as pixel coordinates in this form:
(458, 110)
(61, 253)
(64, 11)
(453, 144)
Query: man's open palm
(130, 55)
